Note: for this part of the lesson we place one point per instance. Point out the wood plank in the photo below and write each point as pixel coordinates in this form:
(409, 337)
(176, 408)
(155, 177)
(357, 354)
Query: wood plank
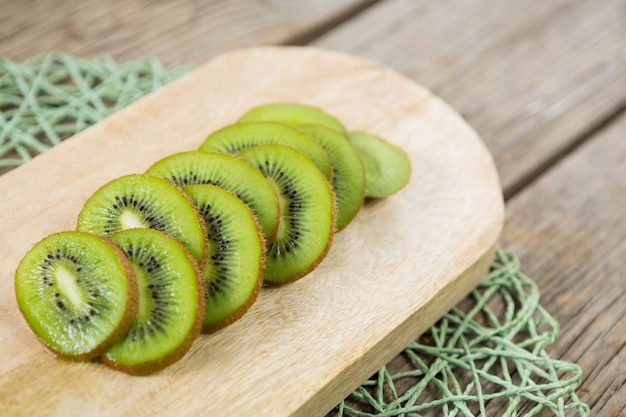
(179, 33)
(531, 77)
(301, 348)
(569, 229)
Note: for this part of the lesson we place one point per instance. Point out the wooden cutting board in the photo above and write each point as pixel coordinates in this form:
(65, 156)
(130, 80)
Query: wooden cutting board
(401, 264)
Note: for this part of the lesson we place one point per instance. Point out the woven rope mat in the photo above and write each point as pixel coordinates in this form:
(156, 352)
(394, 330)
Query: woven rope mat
(486, 356)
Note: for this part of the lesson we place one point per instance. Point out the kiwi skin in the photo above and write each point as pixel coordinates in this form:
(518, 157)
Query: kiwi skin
(131, 308)
(178, 353)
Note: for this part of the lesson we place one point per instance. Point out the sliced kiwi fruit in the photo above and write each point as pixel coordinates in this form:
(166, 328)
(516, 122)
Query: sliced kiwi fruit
(234, 270)
(307, 220)
(228, 172)
(145, 201)
(234, 138)
(293, 114)
(171, 303)
(387, 167)
(348, 171)
(77, 292)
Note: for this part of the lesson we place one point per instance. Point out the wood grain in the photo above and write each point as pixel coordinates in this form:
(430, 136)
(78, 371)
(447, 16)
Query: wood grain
(401, 263)
(184, 32)
(569, 229)
(533, 78)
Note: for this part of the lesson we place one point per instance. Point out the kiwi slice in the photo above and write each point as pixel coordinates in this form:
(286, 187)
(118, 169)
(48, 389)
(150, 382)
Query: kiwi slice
(234, 271)
(171, 303)
(293, 114)
(348, 172)
(387, 167)
(307, 220)
(228, 172)
(77, 292)
(145, 201)
(234, 138)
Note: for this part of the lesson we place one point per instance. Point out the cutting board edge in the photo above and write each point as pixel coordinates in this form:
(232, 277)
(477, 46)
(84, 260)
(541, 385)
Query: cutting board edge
(362, 366)
(397, 340)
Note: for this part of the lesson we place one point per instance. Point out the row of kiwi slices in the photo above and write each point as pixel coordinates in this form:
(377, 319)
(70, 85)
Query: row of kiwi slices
(159, 257)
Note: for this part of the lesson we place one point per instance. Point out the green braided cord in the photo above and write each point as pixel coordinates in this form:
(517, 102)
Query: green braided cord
(485, 356)
(51, 97)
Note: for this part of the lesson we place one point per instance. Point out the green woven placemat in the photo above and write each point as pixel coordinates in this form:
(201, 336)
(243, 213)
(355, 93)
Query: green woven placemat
(484, 357)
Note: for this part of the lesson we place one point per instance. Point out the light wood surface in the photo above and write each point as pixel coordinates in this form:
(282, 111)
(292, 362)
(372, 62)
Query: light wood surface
(538, 80)
(398, 267)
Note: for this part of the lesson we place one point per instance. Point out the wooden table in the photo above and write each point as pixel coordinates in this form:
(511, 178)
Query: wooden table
(543, 83)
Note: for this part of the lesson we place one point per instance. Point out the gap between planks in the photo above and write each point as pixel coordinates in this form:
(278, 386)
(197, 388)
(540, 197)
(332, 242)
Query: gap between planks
(594, 128)
(307, 36)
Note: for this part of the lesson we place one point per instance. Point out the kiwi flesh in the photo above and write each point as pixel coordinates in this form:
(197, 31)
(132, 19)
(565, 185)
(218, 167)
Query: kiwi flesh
(228, 172)
(293, 114)
(77, 292)
(145, 201)
(234, 138)
(307, 223)
(348, 171)
(233, 273)
(387, 167)
(171, 303)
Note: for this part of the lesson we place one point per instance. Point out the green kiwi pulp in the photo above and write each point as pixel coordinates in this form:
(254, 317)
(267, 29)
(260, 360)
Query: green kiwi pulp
(233, 273)
(171, 303)
(77, 292)
(348, 171)
(234, 138)
(293, 114)
(307, 220)
(387, 167)
(145, 201)
(228, 172)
